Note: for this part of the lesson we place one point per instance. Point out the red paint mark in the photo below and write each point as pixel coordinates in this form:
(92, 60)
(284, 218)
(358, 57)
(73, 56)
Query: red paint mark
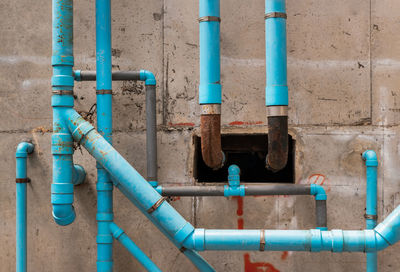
(175, 198)
(239, 210)
(316, 179)
(240, 223)
(319, 179)
(257, 267)
(284, 255)
(241, 123)
(181, 124)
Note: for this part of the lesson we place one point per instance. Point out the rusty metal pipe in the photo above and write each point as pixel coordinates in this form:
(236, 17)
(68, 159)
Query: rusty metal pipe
(277, 143)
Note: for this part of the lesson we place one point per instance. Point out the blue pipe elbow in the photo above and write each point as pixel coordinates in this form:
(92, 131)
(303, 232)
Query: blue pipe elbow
(23, 149)
(79, 174)
(318, 191)
(148, 77)
(370, 158)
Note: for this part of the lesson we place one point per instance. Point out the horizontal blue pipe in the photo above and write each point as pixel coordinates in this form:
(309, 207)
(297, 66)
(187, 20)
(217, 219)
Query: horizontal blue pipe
(276, 91)
(78, 175)
(21, 155)
(385, 234)
(136, 252)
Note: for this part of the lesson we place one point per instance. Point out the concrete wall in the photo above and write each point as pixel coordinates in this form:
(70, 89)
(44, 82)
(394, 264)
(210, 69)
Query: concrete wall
(344, 78)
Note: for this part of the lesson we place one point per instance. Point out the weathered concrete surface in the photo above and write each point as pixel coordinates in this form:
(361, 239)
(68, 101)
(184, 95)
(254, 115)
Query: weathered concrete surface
(343, 65)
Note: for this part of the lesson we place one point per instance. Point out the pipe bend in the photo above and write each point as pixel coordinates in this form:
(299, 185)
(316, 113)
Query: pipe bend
(277, 143)
(370, 158)
(318, 192)
(23, 149)
(63, 214)
(148, 77)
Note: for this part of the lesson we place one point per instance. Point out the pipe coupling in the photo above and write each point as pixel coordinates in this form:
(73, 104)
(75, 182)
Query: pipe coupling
(277, 111)
(207, 109)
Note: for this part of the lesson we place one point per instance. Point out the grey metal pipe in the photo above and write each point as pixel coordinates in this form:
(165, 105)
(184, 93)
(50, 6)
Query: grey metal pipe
(151, 133)
(192, 191)
(294, 189)
(116, 75)
(320, 209)
(252, 190)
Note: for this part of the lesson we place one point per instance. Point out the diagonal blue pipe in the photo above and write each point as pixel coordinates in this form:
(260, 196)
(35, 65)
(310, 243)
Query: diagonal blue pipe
(371, 163)
(174, 225)
(136, 252)
(21, 155)
(104, 185)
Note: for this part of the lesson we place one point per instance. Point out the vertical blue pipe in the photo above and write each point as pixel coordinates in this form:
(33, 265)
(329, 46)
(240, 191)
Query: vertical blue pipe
(62, 83)
(21, 155)
(371, 162)
(276, 92)
(210, 66)
(104, 124)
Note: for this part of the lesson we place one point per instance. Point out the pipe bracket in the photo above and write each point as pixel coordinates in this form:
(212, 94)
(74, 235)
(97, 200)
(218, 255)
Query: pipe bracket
(209, 19)
(262, 240)
(277, 110)
(210, 109)
(104, 92)
(63, 92)
(371, 216)
(157, 204)
(22, 180)
(275, 15)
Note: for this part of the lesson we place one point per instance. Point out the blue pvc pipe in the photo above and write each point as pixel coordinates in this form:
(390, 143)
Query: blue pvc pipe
(78, 175)
(21, 155)
(315, 240)
(210, 66)
(276, 91)
(136, 252)
(371, 163)
(104, 124)
(62, 86)
(168, 218)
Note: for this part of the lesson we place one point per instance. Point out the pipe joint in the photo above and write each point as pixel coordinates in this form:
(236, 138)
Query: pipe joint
(78, 175)
(148, 77)
(62, 144)
(318, 191)
(234, 190)
(23, 149)
(115, 230)
(370, 158)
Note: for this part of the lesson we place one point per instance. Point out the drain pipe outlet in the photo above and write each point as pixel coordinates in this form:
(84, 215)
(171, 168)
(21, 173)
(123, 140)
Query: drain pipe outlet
(276, 88)
(210, 83)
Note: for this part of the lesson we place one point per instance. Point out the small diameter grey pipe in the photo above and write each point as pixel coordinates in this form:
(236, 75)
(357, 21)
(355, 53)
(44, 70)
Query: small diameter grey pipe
(151, 133)
(151, 114)
(116, 75)
(252, 190)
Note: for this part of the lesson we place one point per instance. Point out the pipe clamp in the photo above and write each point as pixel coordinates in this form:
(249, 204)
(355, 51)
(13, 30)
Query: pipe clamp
(209, 19)
(277, 111)
(262, 240)
(63, 92)
(22, 180)
(103, 91)
(207, 109)
(157, 204)
(275, 15)
(371, 216)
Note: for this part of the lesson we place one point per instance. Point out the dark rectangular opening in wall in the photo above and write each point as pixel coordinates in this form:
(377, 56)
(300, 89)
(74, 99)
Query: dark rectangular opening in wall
(248, 151)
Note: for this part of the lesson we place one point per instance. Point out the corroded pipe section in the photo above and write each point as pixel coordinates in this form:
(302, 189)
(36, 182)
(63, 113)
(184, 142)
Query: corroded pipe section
(277, 143)
(210, 125)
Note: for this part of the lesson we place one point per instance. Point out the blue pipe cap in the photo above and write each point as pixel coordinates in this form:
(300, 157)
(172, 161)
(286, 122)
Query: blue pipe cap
(370, 158)
(64, 221)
